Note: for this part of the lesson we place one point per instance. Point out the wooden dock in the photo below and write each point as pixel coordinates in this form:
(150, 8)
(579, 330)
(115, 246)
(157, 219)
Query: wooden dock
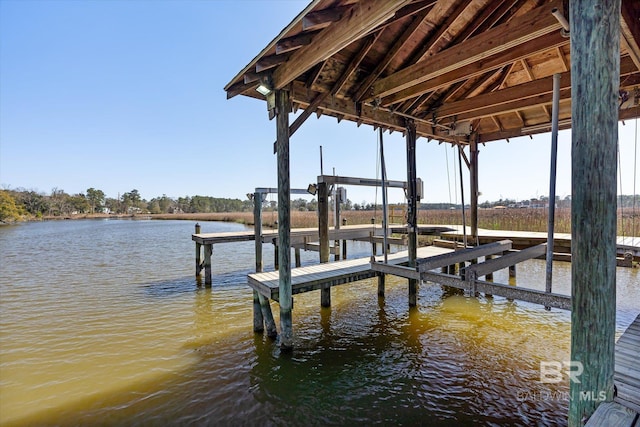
(626, 245)
(624, 411)
(305, 279)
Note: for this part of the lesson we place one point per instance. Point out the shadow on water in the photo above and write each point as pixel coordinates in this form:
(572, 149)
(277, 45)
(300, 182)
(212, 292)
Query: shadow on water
(185, 285)
(391, 365)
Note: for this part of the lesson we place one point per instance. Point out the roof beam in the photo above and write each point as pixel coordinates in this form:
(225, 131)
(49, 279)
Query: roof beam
(514, 33)
(270, 61)
(525, 95)
(362, 18)
(391, 53)
(496, 61)
(442, 28)
(322, 18)
(630, 29)
(294, 42)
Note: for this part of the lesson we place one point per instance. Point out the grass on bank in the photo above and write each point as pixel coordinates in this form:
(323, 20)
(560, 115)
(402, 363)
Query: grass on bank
(491, 219)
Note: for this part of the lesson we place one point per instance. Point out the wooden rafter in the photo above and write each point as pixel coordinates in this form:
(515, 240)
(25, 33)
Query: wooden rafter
(398, 45)
(428, 44)
(494, 62)
(630, 29)
(495, 41)
(354, 23)
(355, 62)
(295, 42)
(322, 18)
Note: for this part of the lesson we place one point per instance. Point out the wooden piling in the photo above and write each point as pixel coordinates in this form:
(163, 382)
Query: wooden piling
(323, 234)
(381, 285)
(297, 257)
(412, 207)
(267, 315)
(473, 177)
(595, 51)
(258, 320)
(198, 253)
(284, 219)
(344, 242)
(208, 249)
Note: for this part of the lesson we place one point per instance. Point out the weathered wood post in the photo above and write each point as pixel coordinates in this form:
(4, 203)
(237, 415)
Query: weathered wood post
(282, 104)
(412, 207)
(336, 243)
(344, 241)
(296, 252)
(198, 253)
(208, 250)
(595, 79)
(473, 177)
(323, 234)
(258, 318)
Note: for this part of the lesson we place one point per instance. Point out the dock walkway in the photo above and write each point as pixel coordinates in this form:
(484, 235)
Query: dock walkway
(624, 411)
(522, 239)
(305, 279)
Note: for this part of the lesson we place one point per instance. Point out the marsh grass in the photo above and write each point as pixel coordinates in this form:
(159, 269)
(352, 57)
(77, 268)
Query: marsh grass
(492, 219)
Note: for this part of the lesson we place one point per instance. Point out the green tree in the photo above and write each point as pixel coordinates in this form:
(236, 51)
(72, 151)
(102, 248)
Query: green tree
(9, 211)
(78, 203)
(95, 198)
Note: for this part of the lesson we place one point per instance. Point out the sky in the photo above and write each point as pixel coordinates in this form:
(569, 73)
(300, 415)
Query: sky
(128, 94)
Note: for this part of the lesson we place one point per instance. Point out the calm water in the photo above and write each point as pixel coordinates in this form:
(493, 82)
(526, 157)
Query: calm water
(103, 323)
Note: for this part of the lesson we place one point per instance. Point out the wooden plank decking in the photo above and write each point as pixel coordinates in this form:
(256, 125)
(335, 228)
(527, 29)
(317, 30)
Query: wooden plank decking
(523, 239)
(304, 279)
(624, 410)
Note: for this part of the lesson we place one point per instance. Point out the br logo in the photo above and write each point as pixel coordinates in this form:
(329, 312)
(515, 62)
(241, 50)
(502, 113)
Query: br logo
(553, 372)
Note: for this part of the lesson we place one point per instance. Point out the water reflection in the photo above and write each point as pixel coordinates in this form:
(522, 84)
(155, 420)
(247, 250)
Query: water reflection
(139, 341)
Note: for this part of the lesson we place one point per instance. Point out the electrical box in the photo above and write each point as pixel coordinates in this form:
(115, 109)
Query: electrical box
(419, 189)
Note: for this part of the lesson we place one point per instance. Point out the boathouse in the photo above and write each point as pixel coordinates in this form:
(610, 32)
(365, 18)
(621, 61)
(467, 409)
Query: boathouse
(469, 72)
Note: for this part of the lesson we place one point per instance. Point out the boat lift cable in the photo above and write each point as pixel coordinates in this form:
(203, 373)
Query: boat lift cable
(464, 220)
(635, 178)
(446, 156)
(375, 199)
(383, 169)
(621, 193)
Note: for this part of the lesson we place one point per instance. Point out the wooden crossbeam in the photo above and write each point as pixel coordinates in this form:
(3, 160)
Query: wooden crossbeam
(514, 33)
(482, 269)
(533, 47)
(398, 45)
(295, 42)
(630, 29)
(322, 18)
(444, 260)
(358, 21)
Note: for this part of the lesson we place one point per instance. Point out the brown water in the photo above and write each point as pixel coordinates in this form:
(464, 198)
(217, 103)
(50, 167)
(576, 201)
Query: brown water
(103, 323)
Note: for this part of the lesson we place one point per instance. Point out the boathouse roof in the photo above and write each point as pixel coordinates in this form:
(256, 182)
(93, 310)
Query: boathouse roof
(460, 69)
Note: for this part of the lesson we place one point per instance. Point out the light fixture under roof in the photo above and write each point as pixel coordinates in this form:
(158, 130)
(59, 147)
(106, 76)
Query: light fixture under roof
(263, 89)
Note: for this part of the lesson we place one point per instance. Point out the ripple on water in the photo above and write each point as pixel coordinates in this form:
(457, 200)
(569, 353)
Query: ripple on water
(114, 329)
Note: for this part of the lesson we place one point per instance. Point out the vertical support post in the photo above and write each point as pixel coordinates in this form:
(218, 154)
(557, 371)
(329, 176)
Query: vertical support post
(595, 51)
(297, 256)
(276, 257)
(473, 178)
(284, 219)
(336, 243)
(257, 229)
(258, 318)
(198, 252)
(208, 249)
(489, 276)
(512, 271)
(323, 233)
(381, 284)
(412, 207)
(555, 114)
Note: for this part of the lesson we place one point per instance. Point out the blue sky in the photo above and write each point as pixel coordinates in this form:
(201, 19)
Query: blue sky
(128, 94)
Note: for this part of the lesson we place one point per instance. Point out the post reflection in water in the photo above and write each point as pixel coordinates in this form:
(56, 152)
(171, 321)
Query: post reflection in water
(123, 337)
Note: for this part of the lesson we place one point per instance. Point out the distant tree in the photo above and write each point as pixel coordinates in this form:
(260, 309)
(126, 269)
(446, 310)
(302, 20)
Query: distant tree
(9, 211)
(34, 203)
(95, 198)
(112, 204)
(59, 202)
(78, 203)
